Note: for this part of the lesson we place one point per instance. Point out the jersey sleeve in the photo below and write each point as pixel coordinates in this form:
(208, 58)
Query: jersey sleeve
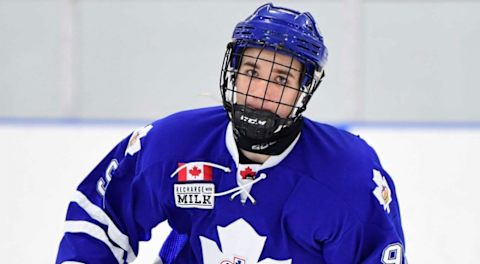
(374, 234)
(112, 209)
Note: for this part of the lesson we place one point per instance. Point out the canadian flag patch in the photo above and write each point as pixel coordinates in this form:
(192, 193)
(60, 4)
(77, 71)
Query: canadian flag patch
(194, 172)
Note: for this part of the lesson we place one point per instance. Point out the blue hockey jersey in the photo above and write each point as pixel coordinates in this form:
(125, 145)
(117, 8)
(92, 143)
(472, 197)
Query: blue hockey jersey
(326, 199)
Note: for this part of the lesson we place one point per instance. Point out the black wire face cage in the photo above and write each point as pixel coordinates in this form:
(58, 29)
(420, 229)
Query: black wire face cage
(236, 96)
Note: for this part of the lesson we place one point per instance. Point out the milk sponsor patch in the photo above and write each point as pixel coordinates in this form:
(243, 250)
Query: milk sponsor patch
(194, 195)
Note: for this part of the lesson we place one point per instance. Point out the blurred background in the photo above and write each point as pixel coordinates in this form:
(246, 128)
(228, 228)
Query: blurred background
(76, 76)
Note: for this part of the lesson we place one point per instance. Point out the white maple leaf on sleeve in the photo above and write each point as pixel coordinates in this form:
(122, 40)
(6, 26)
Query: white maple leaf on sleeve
(382, 192)
(237, 239)
(134, 144)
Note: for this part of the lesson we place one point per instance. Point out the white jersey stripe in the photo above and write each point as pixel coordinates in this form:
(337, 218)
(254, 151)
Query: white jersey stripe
(113, 232)
(96, 232)
(72, 262)
(158, 260)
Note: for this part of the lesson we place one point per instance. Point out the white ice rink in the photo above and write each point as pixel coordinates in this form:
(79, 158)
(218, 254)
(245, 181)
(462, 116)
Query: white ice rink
(436, 170)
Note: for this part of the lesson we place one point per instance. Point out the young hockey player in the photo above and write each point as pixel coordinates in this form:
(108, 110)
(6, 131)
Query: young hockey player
(250, 182)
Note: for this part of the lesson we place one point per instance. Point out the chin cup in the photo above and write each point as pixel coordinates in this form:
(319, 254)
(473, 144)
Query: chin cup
(256, 124)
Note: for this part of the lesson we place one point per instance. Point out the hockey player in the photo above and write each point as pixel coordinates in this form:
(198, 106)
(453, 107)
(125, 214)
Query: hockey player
(252, 182)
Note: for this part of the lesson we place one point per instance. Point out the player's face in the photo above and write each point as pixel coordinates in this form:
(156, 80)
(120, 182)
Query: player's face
(269, 81)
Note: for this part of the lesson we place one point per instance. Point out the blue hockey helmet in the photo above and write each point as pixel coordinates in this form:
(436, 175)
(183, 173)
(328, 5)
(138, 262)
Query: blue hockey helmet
(278, 26)
(281, 30)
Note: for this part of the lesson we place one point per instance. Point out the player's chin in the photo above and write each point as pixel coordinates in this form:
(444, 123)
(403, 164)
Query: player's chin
(272, 110)
(279, 112)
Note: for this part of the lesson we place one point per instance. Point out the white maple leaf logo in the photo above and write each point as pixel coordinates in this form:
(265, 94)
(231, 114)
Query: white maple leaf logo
(238, 240)
(134, 144)
(382, 191)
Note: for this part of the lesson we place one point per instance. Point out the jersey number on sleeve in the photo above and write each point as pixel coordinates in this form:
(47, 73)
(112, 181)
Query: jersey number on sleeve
(392, 254)
(102, 184)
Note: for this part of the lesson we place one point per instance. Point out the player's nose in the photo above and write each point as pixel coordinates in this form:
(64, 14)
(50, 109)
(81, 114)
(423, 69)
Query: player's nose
(260, 95)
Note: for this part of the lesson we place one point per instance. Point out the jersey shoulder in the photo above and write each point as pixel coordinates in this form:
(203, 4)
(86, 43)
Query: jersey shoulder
(190, 121)
(350, 169)
(179, 134)
(185, 125)
(336, 145)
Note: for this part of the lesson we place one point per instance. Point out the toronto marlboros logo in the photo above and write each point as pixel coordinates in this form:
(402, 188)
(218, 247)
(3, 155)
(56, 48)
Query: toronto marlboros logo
(194, 195)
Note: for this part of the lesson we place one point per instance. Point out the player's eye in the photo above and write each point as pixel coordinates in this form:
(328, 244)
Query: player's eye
(251, 73)
(280, 79)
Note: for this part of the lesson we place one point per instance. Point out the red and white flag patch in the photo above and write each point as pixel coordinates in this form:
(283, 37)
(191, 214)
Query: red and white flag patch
(194, 172)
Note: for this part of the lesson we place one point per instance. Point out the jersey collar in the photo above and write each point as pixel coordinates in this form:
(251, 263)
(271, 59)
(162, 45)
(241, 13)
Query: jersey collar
(272, 161)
